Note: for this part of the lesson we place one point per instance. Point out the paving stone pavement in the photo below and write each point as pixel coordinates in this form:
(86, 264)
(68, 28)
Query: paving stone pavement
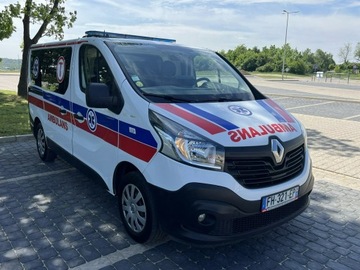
(52, 216)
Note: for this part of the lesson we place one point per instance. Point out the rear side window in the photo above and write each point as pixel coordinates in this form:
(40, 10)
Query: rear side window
(50, 69)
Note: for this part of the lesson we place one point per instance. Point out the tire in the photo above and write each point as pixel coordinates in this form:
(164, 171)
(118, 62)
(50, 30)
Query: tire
(41, 145)
(137, 209)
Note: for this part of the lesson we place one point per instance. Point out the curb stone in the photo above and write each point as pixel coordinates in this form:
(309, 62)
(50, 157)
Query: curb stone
(17, 138)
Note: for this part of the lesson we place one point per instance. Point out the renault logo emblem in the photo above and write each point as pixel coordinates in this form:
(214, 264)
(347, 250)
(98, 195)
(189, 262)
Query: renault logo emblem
(278, 150)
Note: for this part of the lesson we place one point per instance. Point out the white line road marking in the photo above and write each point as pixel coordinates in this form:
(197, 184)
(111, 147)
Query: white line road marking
(351, 117)
(118, 256)
(310, 105)
(278, 98)
(26, 177)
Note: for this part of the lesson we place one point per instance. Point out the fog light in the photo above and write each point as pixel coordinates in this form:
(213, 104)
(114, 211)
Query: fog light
(201, 217)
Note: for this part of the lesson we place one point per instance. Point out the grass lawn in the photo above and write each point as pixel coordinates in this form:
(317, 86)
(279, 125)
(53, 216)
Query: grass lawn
(14, 114)
(278, 75)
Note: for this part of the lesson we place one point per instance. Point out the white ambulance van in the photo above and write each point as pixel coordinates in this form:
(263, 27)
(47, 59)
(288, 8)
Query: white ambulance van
(185, 142)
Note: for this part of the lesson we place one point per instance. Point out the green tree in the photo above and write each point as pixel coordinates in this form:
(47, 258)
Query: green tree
(323, 60)
(357, 52)
(52, 18)
(344, 53)
(271, 59)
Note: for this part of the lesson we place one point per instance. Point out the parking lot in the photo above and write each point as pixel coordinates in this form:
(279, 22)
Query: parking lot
(53, 216)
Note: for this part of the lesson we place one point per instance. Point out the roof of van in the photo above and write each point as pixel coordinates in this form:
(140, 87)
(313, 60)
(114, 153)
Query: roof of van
(101, 34)
(125, 36)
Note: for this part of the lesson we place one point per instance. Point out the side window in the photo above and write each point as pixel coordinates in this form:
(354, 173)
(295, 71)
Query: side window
(94, 68)
(50, 69)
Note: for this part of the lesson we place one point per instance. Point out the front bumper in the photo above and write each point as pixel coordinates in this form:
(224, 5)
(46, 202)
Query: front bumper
(229, 218)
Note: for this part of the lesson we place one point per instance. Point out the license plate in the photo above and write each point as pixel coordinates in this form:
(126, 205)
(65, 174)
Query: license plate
(276, 200)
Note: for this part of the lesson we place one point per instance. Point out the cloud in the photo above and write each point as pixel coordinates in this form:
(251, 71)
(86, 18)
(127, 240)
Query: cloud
(324, 24)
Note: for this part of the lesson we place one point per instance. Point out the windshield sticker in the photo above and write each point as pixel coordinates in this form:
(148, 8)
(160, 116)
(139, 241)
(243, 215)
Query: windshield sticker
(242, 134)
(60, 69)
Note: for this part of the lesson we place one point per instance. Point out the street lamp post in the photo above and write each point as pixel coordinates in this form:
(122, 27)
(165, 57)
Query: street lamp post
(284, 53)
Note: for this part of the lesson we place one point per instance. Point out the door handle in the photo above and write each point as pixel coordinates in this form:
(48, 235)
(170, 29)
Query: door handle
(62, 111)
(79, 117)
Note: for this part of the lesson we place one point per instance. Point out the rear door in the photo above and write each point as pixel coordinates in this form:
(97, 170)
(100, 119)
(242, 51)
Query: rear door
(50, 92)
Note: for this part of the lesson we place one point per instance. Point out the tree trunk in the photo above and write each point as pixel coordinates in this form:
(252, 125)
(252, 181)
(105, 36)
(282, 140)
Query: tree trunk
(23, 81)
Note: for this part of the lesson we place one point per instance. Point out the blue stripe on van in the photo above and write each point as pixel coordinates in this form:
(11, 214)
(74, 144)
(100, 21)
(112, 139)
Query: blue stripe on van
(209, 116)
(137, 133)
(271, 110)
(61, 102)
(122, 128)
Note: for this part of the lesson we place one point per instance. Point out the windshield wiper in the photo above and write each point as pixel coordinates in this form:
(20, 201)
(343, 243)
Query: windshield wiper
(220, 99)
(167, 97)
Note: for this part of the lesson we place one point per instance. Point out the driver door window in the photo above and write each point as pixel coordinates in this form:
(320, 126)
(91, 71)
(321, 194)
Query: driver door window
(94, 68)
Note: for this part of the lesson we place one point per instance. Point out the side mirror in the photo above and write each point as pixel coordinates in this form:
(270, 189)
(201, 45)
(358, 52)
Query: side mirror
(98, 95)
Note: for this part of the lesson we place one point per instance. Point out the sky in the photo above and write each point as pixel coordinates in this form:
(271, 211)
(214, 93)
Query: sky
(217, 25)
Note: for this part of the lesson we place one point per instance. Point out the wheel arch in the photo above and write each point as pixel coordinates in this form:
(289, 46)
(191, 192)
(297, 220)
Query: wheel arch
(36, 122)
(121, 170)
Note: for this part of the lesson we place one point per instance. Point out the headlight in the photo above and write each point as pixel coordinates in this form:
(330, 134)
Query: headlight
(182, 144)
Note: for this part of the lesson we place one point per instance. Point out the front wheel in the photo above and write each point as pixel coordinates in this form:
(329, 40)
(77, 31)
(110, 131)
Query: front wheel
(43, 150)
(137, 209)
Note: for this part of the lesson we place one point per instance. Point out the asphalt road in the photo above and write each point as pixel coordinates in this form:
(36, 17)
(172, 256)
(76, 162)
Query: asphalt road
(9, 81)
(53, 216)
(318, 103)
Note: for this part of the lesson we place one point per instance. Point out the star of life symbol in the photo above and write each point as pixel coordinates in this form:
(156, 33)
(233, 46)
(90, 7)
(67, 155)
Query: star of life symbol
(91, 120)
(35, 68)
(278, 150)
(239, 110)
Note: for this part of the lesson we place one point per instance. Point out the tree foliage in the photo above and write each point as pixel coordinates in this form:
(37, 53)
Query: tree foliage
(357, 52)
(345, 52)
(269, 59)
(51, 17)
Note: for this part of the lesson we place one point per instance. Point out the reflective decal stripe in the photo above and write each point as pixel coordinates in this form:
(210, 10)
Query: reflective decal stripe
(58, 101)
(192, 118)
(35, 101)
(271, 110)
(283, 113)
(136, 133)
(134, 140)
(209, 116)
(135, 148)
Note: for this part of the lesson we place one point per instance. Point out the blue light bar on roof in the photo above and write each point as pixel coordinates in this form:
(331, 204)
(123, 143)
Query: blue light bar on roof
(118, 35)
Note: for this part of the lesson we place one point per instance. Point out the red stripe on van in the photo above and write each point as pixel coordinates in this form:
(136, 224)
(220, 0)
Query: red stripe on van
(200, 122)
(280, 111)
(101, 132)
(107, 135)
(35, 101)
(55, 110)
(136, 148)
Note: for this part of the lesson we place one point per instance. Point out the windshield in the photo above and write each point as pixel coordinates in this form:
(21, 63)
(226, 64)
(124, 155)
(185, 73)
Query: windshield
(170, 73)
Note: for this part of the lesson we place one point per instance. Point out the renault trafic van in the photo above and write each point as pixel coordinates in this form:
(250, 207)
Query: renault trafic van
(189, 147)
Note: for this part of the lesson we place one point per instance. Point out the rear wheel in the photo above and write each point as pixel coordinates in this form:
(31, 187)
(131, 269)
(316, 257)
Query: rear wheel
(44, 152)
(137, 209)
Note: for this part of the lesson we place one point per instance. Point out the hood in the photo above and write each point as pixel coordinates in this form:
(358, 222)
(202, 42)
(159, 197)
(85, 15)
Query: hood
(232, 124)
